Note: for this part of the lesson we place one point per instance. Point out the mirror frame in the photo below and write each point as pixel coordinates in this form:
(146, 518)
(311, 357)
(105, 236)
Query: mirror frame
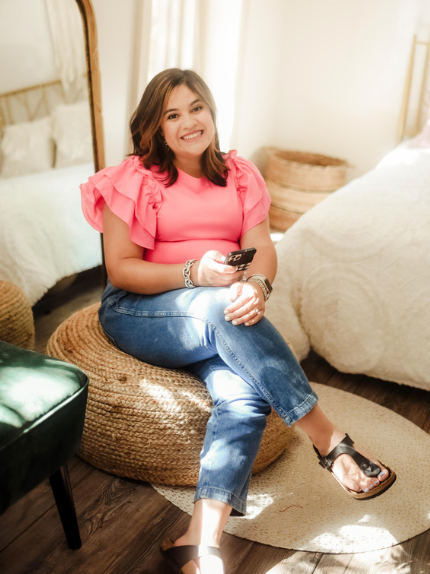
(94, 82)
(95, 97)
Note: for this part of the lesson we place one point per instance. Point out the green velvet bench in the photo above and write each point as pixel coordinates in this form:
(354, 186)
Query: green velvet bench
(42, 411)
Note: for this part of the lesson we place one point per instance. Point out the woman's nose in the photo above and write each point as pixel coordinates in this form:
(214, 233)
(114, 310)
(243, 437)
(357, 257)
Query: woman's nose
(189, 120)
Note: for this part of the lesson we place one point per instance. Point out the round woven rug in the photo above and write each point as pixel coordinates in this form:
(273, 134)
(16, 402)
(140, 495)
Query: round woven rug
(296, 504)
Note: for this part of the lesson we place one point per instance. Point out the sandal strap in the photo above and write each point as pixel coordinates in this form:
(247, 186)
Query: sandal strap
(345, 446)
(181, 555)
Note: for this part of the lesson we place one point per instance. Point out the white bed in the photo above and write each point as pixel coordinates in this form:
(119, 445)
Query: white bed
(46, 152)
(43, 235)
(354, 274)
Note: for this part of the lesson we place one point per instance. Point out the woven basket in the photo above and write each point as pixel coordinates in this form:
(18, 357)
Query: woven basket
(143, 422)
(16, 317)
(306, 171)
(281, 219)
(293, 199)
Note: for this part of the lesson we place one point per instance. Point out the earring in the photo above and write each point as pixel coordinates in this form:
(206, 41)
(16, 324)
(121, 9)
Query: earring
(165, 143)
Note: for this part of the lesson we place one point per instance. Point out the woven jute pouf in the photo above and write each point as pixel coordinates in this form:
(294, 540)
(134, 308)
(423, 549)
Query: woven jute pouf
(143, 422)
(16, 317)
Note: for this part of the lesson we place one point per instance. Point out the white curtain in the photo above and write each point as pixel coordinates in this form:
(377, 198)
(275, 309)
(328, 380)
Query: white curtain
(174, 37)
(202, 35)
(68, 40)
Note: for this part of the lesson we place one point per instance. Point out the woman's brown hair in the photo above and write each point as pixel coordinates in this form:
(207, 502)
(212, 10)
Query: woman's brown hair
(148, 142)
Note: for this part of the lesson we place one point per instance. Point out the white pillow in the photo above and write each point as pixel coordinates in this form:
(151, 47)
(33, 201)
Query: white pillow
(71, 129)
(27, 147)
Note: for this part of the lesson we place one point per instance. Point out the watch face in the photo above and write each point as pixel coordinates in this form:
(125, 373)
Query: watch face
(268, 285)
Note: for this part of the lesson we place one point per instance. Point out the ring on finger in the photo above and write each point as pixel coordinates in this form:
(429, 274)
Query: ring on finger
(257, 311)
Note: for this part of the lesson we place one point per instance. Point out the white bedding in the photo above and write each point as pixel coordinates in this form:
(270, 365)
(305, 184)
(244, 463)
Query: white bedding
(43, 235)
(354, 274)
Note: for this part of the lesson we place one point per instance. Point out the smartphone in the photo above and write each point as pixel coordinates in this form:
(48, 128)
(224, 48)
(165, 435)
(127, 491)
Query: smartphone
(241, 258)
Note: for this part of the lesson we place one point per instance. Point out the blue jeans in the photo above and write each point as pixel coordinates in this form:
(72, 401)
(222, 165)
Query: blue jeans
(247, 370)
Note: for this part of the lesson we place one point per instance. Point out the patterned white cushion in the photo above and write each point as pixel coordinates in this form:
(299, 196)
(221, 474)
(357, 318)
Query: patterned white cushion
(71, 128)
(27, 147)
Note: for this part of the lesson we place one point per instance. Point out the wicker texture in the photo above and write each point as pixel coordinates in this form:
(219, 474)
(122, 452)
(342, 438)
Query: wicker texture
(16, 317)
(297, 181)
(293, 199)
(307, 171)
(143, 422)
(281, 218)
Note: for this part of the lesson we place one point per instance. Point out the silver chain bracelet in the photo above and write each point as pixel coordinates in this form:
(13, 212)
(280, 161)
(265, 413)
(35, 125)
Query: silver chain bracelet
(187, 273)
(263, 282)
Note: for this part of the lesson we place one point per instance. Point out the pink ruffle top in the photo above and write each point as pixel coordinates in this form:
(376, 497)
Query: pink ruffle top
(182, 221)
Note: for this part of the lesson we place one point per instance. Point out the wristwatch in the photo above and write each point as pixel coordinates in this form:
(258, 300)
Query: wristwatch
(264, 283)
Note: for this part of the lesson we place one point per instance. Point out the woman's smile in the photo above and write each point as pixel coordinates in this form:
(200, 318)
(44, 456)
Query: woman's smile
(193, 135)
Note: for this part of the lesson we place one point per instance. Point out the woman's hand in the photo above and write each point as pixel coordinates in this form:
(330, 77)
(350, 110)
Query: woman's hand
(248, 306)
(210, 271)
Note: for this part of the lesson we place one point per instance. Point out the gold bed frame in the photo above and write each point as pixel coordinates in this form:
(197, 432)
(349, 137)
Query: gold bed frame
(34, 102)
(402, 129)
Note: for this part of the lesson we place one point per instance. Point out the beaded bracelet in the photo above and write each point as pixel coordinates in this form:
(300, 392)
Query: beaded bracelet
(187, 273)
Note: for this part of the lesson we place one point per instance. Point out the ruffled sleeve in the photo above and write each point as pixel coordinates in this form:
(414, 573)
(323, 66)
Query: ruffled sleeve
(252, 191)
(131, 192)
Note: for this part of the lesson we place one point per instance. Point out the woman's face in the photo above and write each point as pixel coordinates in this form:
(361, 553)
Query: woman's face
(187, 125)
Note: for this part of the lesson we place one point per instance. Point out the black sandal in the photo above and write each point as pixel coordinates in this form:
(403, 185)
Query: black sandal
(180, 557)
(368, 467)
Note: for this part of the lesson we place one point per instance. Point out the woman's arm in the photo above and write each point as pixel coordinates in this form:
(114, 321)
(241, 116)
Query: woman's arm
(124, 261)
(127, 270)
(265, 261)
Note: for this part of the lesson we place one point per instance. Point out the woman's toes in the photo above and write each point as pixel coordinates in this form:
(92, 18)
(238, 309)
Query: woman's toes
(366, 484)
(383, 475)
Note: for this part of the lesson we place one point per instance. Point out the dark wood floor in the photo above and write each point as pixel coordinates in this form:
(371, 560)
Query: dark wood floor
(123, 522)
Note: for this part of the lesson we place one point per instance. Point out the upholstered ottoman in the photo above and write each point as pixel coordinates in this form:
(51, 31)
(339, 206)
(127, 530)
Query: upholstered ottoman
(143, 422)
(16, 317)
(42, 410)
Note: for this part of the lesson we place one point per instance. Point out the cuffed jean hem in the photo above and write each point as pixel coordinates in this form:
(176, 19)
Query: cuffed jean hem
(239, 506)
(300, 411)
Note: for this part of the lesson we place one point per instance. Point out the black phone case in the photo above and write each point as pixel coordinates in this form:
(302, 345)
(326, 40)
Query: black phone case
(241, 259)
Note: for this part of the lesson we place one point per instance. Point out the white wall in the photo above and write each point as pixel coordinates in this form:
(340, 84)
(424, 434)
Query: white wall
(115, 20)
(337, 68)
(317, 75)
(26, 50)
(258, 93)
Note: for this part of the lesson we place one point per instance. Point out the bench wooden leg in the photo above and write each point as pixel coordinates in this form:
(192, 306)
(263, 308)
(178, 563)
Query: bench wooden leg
(62, 489)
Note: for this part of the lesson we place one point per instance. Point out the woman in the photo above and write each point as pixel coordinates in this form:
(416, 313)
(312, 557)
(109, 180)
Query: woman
(169, 214)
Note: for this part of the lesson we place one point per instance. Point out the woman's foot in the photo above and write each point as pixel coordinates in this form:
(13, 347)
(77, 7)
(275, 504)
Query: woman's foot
(204, 564)
(347, 470)
(325, 436)
(205, 529)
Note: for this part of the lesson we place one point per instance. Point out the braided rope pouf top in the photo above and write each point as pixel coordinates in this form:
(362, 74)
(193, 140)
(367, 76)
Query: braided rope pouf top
(143, 422)
(16, 317)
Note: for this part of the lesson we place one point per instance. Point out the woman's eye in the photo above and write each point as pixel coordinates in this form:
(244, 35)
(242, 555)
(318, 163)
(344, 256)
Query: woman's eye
(172, 116)
(197, 108)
